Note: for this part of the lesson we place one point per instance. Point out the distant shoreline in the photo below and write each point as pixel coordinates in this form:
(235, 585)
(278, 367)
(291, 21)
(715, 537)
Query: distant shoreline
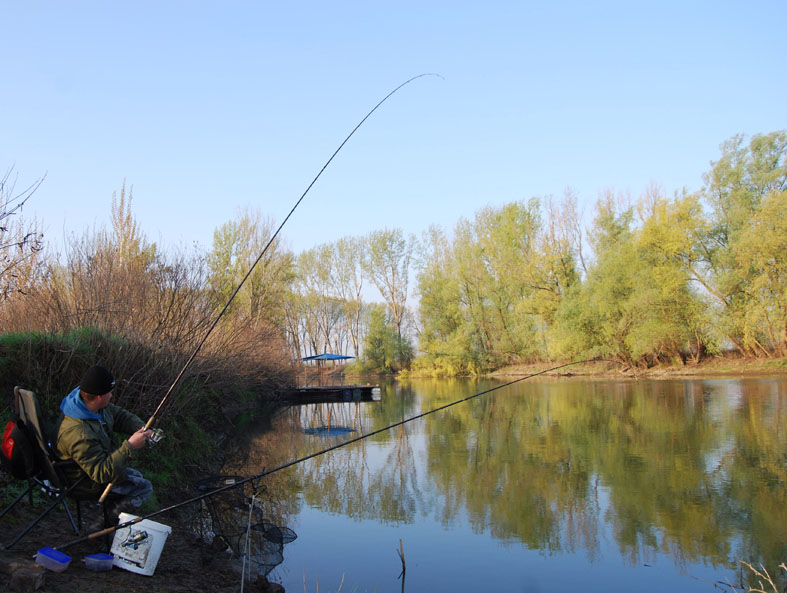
(724, 366)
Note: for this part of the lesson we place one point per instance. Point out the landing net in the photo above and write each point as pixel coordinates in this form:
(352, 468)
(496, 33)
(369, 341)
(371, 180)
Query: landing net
(226, 518)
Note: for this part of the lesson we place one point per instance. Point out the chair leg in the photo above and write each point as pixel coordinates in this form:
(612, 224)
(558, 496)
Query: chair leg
(71, 517)
(33, 524)
(17, 499)
(107, 540)
(58, 499)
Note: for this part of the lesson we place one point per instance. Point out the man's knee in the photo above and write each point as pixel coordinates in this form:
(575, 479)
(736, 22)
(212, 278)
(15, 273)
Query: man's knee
(135, 488)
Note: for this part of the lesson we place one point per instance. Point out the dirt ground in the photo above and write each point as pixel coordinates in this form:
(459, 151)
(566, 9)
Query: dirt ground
(185, 565)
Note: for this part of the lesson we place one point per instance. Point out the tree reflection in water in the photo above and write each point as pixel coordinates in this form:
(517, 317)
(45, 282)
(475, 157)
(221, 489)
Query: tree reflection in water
(695, 469)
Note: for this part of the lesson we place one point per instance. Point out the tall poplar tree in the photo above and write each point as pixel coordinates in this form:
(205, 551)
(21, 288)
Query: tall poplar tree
(387, 263)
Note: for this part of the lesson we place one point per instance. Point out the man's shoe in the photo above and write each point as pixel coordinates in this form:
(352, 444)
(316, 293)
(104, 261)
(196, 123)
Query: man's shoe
(100, 523)
(112, 511)
(121, 506)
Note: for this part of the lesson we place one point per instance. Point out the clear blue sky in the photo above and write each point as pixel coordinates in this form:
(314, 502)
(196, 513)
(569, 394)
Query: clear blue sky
(208, 107)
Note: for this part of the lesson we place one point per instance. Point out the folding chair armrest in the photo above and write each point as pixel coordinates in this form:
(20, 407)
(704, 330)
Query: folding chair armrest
(60, 464)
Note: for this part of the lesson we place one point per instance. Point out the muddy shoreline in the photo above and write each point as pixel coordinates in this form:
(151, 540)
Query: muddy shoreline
(185, 565)
(721, 367)
(725, 366)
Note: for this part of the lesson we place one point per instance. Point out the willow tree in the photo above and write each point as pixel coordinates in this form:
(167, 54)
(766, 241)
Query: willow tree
(595, 319)
(761, 255)
(672, 319)
(637, 301)
(443, 338)
(490, 292)
(499, 252)
(735, 249)
(381, 343)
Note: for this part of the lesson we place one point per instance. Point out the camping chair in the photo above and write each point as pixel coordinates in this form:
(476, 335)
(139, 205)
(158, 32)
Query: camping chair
(50, 475)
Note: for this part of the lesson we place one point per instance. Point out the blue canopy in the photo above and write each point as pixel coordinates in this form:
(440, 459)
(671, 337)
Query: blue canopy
(327, 356)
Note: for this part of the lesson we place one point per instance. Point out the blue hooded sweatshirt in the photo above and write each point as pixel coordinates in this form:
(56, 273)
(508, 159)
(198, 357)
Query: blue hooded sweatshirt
(72, 405)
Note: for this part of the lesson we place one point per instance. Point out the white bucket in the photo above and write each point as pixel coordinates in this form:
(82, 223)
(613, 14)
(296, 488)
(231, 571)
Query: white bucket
(137, 548)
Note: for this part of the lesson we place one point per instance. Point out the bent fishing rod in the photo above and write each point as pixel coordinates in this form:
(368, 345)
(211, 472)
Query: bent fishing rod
(255, 478)
(191, 358)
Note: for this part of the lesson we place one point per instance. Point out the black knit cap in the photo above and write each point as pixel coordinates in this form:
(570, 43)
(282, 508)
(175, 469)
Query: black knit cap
(97, 381)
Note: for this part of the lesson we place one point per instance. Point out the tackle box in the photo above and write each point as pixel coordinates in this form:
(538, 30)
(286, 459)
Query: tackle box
(99, 561)
(52, 559)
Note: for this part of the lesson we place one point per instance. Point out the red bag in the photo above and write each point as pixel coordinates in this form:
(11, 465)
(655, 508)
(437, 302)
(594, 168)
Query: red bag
(17, 456)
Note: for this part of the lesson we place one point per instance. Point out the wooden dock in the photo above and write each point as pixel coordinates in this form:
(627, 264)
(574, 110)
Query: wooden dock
(323, 394)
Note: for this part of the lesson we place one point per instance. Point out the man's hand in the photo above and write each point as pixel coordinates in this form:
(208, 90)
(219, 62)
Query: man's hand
(139, 438)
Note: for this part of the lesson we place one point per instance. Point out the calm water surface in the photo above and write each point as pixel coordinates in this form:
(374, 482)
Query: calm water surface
(552, 485)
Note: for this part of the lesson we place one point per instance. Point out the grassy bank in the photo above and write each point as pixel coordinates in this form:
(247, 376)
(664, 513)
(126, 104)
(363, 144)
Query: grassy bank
(201, 414)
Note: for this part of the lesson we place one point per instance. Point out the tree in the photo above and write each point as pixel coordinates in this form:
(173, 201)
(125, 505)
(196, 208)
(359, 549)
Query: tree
(324, 312)
(742, 192)
(380, 347)
(490, 293)
(637, 303)
(596, 318)
(506, 241)
(20, 243)
(761, 255)
(347, 282)
(129, 240)
(387, 263)
(236, 246)
(671, 316)
(442, 339)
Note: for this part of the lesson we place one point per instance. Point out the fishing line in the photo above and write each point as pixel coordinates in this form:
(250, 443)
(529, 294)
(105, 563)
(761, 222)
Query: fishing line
(264, 473)
(259, 257)
(276, 234)
(247, 546)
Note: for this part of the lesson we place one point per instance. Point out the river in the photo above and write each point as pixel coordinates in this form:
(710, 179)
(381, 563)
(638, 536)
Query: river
(558, 485)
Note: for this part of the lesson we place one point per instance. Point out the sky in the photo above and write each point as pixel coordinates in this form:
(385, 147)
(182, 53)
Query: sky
(205, 108)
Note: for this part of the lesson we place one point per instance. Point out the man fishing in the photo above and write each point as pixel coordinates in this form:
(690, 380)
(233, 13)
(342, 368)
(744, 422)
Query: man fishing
(85, 434)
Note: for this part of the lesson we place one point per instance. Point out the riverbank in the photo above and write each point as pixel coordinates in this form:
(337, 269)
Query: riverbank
(723, 366)
(187, 563)
(200, 423)
(720, 366)
(184, 565)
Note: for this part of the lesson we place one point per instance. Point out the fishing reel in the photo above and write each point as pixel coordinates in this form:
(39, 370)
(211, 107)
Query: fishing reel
(154, 438)
(134, 539)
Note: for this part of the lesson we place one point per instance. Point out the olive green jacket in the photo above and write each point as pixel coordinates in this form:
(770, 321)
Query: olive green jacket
(89, 443)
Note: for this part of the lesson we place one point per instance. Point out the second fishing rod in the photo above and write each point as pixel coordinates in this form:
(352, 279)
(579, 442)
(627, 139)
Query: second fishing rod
(224, 309)
(266, 472)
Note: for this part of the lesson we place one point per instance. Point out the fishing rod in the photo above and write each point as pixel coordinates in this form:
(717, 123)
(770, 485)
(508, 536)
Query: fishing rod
(259, 257)
(264, 473)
